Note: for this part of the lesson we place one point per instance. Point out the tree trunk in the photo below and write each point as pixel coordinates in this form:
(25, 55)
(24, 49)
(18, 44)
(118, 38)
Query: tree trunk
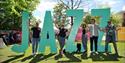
(123, 23)
(71, 20)
(71, 16)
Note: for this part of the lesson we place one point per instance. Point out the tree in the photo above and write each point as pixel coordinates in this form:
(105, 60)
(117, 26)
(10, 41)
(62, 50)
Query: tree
(116, 19)
(87, 19)
(59, 14)
(11, 12)
(70, 4)
(123, 23)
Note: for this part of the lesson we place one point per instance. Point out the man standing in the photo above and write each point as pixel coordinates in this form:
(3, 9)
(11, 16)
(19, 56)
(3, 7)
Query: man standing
(93, 28)
(35, 38)
(110, 37)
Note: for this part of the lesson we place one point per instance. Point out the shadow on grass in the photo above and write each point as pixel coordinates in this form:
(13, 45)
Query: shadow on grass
(71, 58)
(40, 57)
(58, 56)
(14, 58)
(84, 56)
(103, 57)
(26, 58)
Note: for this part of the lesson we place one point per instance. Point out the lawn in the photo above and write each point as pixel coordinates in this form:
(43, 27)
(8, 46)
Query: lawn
(7, 56)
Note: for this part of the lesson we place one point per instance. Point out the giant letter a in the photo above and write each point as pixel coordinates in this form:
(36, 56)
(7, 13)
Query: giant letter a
(48, 35)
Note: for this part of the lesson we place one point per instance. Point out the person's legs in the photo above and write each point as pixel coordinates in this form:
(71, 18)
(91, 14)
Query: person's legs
(62, 43)
(84, 42)
(36, 46)
(96, 42)
(59, 40)
(115, 47)
(107, 41)
(91, 44)
(106, 47)
(33, 46)
(78, 47)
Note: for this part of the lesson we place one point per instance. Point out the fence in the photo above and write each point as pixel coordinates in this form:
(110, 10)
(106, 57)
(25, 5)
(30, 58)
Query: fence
(121, 34)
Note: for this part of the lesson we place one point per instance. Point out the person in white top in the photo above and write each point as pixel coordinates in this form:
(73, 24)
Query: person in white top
(93, 28)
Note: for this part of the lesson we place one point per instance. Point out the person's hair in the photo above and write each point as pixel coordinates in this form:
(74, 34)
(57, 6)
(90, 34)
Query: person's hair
(83, 25)
(93, 19)
(62, 25)
(37, 23)
(109, 21)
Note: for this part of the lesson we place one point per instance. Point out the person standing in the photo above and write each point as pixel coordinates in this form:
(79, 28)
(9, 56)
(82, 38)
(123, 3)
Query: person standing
(84, 38)
(78, 39)
(35, 38)
(110, 37)
(61, 37)
(93, 28)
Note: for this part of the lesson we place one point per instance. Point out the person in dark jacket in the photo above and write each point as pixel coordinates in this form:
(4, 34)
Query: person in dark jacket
(35, 38)
(110, 37)
(61, 37)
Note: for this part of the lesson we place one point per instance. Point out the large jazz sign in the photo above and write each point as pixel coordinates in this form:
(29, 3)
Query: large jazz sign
(48, 29)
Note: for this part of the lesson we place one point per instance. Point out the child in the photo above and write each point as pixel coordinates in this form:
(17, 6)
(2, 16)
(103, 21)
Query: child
(78, 39)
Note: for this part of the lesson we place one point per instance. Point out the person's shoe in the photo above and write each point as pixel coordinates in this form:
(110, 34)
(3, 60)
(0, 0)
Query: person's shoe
(76, 51)
(106, 53)
(84, 52)
(36, 53)
(64, 51)
(33, 54)
(91, 52)
(96, 52)
(117, 54)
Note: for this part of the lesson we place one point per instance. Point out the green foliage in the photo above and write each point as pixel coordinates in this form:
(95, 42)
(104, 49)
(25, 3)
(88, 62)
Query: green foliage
(59, 14)
(87, 19)
(116, 19)
(64, 5)
(11, 12)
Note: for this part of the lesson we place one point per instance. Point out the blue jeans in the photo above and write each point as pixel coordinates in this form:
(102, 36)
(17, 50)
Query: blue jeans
(84, 41)
(61, 41)
(35, 42)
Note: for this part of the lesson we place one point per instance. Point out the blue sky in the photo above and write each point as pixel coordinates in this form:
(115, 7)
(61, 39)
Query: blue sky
(87, 5)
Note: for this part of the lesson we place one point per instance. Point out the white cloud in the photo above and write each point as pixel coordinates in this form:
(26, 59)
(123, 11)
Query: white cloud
(123, 9)
(44, 6)
(107, 3)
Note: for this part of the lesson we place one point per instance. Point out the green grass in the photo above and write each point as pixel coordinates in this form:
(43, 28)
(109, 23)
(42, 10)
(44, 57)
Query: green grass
(8, 56)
